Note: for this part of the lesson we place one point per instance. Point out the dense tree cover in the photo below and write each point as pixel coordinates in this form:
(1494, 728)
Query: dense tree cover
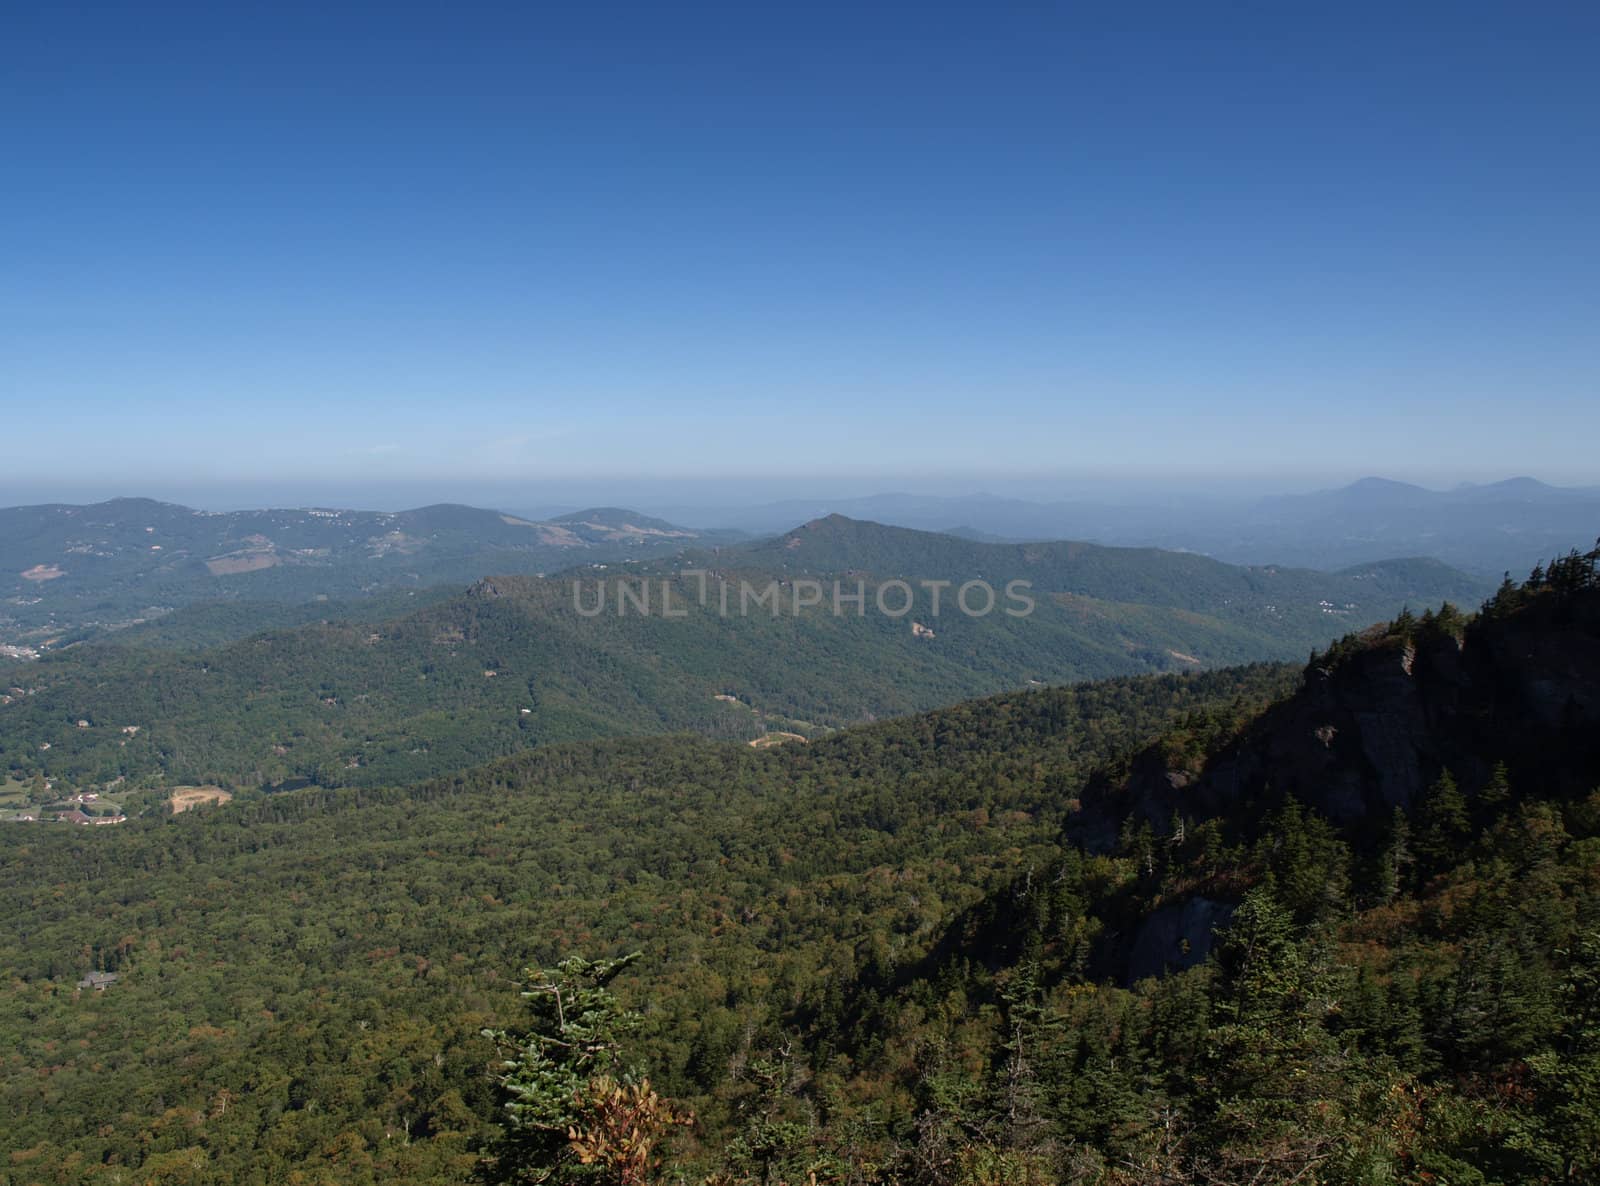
(1393, 1000)
(1332, 1036)
(304, 978)
(209, 624)
(881, 957)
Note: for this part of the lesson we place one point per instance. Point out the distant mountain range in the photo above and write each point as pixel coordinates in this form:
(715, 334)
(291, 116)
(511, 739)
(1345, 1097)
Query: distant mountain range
(1510, 525)
(66, 568)
(1486, 529)
(67, 571)
(512, 662)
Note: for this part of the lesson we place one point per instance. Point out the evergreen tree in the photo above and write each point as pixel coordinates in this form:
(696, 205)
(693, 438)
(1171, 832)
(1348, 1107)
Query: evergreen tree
(1495, 794)
(1269, 1088)
(1506, 599)
(1393, 860)
(1449, 620)
(1569, 1075)
(1404, 625)
(1444, 827)
(1308, 862)
(575, 1110)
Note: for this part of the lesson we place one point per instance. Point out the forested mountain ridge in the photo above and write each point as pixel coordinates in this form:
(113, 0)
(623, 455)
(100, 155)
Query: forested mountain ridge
(1152, 576)
(518, 661)
(1301, 604)
(1383, 712)
(1508, 697)
(65, 568)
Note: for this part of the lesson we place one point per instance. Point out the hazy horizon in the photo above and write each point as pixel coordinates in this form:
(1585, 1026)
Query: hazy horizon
(707, 494)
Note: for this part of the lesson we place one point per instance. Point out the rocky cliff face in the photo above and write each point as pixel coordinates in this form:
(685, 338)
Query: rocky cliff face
(1176, 937)
(1375, 723)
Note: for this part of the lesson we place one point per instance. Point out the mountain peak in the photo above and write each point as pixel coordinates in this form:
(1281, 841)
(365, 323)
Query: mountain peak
(616, 518)
(834, 520)
(1512, 489)
(1383, 487)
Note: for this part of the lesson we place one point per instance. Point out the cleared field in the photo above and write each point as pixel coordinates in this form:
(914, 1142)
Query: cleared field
(769, 740)
(184, 798)
(227, 566)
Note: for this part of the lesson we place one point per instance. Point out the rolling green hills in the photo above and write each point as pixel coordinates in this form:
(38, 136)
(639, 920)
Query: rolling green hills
(67, 569)
(515, 661)
(1298, 602)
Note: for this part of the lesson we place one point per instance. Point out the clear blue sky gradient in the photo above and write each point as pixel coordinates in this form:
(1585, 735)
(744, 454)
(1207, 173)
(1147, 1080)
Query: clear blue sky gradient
(538, 241)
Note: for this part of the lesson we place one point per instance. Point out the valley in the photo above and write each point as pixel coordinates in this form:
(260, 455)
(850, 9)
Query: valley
(517, 661)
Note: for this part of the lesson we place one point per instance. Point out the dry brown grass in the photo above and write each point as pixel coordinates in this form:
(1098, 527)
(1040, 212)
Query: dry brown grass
(776, 737)
(184, 798)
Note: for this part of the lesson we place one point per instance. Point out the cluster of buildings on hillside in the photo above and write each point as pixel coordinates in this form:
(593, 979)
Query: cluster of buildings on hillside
(73, 816)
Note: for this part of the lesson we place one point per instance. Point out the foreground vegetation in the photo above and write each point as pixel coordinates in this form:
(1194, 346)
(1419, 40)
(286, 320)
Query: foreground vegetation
(303, 979)
(904, 953)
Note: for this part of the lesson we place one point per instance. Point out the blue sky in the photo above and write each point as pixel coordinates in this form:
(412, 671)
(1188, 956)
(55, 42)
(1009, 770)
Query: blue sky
(531, 242)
